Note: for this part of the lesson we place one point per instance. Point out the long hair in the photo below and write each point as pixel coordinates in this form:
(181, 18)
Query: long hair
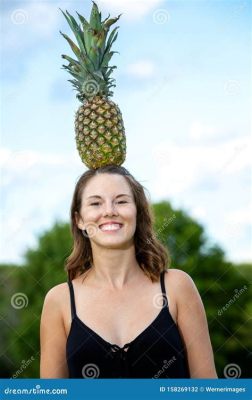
(151, 255)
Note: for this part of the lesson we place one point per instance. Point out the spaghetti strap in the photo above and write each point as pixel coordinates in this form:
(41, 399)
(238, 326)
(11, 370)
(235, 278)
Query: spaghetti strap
(72, 300)
(165, 299)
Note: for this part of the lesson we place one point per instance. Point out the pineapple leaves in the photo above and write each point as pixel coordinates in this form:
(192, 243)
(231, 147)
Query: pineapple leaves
(85, 24)
(75, 65)
(77, 86)
(95, 19)
(111, 21)
(107, 57)
(92, 50)
(112, 38)
(98, 74)
(94, 58)
(87, 32)
(84, 60)
(108, 72)
(76, 30)
(76, 75)
(105, 19)
(73, 46)
(71, 60)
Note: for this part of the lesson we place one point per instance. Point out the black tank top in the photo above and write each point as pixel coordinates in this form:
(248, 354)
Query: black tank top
(157, 352)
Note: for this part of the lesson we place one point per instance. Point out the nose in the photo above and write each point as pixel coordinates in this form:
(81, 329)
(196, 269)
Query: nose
(109, 209)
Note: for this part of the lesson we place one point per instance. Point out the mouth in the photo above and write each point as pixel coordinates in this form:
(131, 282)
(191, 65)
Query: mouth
(110, 227)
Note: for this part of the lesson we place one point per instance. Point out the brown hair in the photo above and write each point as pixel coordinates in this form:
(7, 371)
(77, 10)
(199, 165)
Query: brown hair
(151, 255)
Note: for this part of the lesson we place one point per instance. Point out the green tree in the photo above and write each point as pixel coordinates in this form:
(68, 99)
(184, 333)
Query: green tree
(42, 270)
(8, 319)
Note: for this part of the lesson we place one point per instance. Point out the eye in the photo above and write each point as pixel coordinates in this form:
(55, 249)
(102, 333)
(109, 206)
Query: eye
(122, 201)
(94, 204)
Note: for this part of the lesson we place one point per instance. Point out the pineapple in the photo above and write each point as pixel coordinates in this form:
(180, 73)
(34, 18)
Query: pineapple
(99, 129)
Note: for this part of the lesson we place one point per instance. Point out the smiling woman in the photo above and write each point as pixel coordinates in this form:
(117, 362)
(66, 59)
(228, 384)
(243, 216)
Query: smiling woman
(102, 198)
(113, 318)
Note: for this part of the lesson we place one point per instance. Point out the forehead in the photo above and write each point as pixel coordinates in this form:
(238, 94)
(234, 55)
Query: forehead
(104, 184)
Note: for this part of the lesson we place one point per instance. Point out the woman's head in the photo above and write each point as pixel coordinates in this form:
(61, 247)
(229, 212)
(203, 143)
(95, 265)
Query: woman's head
(111, 194)
(108, 212)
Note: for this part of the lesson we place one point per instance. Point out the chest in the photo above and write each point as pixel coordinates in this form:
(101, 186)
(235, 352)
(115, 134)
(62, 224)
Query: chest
(119, 317)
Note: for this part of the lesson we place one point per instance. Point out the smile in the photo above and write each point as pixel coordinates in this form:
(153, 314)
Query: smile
(110, 227)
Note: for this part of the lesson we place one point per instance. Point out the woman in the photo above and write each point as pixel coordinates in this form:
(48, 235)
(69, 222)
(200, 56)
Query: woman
(113, 318)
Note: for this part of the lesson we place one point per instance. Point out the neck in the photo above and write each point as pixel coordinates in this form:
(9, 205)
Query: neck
(114, 268)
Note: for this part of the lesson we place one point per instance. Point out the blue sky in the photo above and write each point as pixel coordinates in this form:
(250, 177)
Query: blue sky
(184, 88)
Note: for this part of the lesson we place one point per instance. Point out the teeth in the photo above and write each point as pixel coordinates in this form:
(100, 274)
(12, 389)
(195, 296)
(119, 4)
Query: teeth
(111, 227)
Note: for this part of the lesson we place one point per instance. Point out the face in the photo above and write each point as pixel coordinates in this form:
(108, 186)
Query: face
(108, 211)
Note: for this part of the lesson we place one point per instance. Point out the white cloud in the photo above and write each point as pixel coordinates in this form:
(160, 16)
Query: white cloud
(238, 156)
(27, 23)
(199, 130)
(141, 69)
(236, 230)
(240, 216)
(131, 9)
(180, 167)
(209, 181)
(36, 189)
(241, 255)
(16, 160)
(14, 164)
(198, 212)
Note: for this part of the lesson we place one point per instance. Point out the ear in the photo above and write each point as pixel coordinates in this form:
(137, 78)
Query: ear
(78, 220)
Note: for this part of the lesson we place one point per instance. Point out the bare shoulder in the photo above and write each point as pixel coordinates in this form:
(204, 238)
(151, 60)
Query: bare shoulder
(53, 335)
(186, 296)
(54, 310)
(56, 291)
(178, 277)
(182, 283)
(57, 296)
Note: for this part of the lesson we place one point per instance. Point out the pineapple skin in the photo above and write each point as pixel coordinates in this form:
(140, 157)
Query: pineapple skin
(99, 133)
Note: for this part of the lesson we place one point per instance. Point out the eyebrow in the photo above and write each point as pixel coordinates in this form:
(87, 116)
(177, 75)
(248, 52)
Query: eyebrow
(99, 197)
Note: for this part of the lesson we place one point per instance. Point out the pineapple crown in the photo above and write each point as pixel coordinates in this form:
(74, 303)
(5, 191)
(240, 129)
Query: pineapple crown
(91, 70)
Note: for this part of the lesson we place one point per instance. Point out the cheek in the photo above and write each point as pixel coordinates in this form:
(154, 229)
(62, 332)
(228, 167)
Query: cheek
(130, 214)
(90, 214)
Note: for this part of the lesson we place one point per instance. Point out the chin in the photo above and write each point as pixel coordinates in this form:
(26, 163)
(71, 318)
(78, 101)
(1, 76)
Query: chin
(113, 244)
